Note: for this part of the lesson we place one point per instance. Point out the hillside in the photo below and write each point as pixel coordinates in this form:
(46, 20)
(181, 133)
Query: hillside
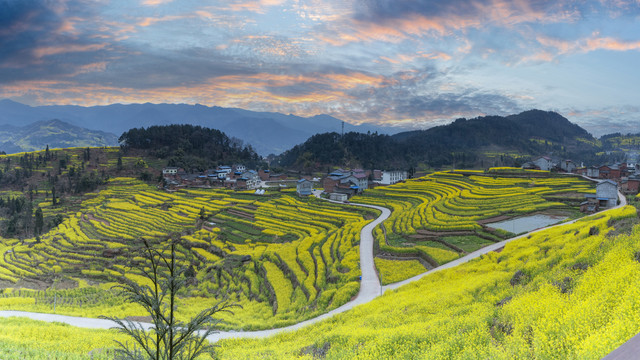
(480, 142)
(54, 133)
(559, 294)
(64, 176)
(267, 132)
(283, 258)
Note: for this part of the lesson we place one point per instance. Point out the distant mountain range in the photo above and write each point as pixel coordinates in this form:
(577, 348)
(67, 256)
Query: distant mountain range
(55, 133)
(266, 132)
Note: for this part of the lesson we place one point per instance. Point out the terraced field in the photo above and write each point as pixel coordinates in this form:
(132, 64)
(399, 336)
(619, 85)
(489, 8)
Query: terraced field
(571, 292)
(443, 216)
(282, 259)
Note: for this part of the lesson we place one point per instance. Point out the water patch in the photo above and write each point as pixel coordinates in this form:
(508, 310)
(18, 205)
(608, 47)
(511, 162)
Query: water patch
(527, 223)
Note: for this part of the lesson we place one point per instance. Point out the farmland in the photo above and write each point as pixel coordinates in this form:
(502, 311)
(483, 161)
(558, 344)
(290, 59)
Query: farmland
(281, 258)
(571, 292)
(285, 259)
(443, 216)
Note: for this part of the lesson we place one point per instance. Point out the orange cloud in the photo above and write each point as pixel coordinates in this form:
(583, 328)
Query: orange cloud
(501, 13)
(152, 20)
(593, 43)
(155, 2)
(257, 6)
(63, 49)
(323, 93)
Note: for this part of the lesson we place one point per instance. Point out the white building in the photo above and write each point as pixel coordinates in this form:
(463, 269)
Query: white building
(170, 171)
(568, 166)
(593, 172)
(304, 187)
(607, 193)
(544, 163)
(338, 197)
(392, 177)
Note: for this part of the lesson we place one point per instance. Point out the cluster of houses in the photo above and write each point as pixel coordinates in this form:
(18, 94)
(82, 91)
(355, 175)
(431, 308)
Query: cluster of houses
(623, 176)
(234, 177)
(339, 184)
(626, 175)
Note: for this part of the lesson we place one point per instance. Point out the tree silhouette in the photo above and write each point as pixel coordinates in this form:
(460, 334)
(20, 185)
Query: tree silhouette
(168, 338)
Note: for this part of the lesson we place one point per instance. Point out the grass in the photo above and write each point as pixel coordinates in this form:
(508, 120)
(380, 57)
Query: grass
(468, 243)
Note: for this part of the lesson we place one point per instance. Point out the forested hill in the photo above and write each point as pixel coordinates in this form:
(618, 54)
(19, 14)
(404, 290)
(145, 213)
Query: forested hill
(54, 133)
(353, 150)
(190, 147)
(513, 130)
(466, 142)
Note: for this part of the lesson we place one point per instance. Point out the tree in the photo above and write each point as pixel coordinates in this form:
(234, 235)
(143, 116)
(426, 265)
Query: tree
(168, 338)
(39, 222)
(119, 164)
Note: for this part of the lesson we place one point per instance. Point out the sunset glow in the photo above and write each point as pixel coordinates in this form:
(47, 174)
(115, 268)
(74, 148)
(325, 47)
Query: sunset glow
(410, 63)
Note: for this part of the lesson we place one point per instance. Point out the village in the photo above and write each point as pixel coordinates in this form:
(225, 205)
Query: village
(339, 185)
(624, 176)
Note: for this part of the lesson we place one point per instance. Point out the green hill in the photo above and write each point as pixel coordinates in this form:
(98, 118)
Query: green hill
(55, 134)
(480, 142)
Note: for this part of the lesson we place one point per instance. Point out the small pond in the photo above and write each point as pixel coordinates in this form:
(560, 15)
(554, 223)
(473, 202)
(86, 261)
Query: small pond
(527, 223)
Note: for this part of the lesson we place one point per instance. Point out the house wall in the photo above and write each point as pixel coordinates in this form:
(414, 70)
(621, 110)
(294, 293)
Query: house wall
(338, 197)
(306, 187)
(392, 177)
(543, 164)
(593, 173)
(609, 191)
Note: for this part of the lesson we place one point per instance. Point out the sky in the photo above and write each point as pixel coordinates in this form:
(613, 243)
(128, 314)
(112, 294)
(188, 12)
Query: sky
(405, 63)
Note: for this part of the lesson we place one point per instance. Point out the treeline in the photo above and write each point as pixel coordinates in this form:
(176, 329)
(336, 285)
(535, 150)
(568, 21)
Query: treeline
(366, 150)
(189, 147)
(44, 175)
(461, 144)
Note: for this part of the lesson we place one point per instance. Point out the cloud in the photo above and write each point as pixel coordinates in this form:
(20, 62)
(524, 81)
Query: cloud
(607, 120)
(552, 47)
(398, 20)
(40, 40)
(155, 2)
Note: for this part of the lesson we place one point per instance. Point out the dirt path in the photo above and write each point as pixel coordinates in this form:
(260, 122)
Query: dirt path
(369, 289)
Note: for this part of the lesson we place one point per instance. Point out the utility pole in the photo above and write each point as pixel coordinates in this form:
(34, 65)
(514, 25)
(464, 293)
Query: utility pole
(342, 129)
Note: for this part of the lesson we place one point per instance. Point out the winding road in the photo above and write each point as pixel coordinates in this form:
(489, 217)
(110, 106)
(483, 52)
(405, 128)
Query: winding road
(369, 288)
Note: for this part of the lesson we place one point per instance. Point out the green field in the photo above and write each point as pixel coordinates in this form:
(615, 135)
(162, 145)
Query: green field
(440, 217)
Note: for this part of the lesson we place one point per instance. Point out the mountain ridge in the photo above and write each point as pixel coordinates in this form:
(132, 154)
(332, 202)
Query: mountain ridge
(463, 142)
(256, 127)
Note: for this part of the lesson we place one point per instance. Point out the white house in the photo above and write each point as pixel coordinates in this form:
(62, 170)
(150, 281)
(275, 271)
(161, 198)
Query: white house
(593, 172)
(360, 180)
(392, 177)
(170, 171)
(607, 193)
(568, 166)
(239, 168)
(338, 197)
(544, 163)
(304, 187)
(251, 179)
